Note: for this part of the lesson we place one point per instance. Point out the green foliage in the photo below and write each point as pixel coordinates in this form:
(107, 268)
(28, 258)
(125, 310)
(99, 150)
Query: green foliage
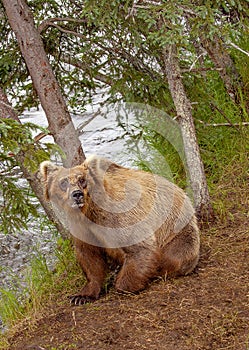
(10, 307)
(17, 145)
(171, 157)
(16, 207)
(11, 300)
(120, 45)
(17, 138)
(43, 284)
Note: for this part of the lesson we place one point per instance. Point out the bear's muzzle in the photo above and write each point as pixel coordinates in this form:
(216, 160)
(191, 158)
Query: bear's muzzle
(78, 199)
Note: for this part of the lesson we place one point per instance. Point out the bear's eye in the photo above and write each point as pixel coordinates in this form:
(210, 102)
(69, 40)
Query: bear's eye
(64, 184)
(82, 182)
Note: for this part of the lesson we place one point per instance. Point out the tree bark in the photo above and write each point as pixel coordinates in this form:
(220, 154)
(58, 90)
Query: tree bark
(44, 81)
(193, 160)
(6, 111)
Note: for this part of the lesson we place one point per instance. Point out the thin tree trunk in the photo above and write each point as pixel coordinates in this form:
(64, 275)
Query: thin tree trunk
(44, 81)
(193, 160)
(6, 111)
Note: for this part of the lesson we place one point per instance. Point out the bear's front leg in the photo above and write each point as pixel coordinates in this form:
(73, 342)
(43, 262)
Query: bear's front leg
(94, 267)
(140, 266)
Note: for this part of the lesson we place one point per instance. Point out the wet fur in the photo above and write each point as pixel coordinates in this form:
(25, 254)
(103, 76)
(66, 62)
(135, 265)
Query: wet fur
(172, 250)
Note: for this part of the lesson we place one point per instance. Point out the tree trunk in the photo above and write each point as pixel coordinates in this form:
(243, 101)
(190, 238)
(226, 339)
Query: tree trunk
(6, 111)
(193, 160)
(44, 81)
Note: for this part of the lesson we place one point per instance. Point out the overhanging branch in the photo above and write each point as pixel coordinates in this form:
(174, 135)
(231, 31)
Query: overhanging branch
(51, 22)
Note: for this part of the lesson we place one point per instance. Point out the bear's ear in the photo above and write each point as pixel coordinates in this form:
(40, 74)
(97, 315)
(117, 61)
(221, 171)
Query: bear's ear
(97, 164)
(89, 160)
(46, 170)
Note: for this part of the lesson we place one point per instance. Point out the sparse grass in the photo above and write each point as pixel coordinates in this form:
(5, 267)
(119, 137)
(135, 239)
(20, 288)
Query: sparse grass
(43, 286)
(10, 307)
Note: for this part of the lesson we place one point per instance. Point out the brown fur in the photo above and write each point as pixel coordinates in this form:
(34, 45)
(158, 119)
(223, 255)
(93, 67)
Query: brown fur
(161, 224)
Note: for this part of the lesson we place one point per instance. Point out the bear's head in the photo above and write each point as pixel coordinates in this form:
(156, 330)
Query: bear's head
(72, 186)
(63, 185)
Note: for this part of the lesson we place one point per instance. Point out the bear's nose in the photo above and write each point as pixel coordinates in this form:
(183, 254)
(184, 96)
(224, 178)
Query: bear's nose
(77, 195)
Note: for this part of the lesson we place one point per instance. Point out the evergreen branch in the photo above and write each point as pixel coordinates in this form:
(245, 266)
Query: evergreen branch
(82, 65)
(50, 22)
(67, 31)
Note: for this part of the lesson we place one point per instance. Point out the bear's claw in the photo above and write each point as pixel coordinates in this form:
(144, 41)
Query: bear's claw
(80, 299)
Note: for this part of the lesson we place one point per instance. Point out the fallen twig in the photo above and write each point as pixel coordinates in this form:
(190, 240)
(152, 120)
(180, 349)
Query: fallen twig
(224, 115)
(224, 124)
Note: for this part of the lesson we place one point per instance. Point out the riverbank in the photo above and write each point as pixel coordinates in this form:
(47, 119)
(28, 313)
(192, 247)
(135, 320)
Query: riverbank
(207, 310)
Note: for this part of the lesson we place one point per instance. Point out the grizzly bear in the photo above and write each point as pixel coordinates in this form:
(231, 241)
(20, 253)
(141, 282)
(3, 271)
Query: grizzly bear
(140, 221)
